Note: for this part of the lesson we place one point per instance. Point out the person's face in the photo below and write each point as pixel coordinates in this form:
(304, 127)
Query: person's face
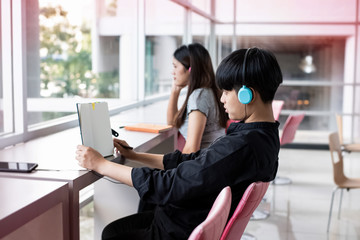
(232, 105)
(180, 74)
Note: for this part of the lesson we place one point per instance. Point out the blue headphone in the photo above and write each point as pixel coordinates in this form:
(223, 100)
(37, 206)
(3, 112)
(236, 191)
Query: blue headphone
(245, 94)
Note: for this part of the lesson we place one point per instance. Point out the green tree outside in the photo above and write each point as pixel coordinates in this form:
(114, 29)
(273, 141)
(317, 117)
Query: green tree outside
(66, 67)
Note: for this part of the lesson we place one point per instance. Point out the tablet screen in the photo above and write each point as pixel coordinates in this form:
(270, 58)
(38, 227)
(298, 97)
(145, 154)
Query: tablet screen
(17, 166)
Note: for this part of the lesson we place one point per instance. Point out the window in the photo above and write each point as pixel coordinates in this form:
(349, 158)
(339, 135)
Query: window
(224, 10)
(1, 82)
(59, 63)
(164, 30)
(356, 131)
(6, 93)
(313, 80)
(313, 72)
(223, 46)
(120, 51)
(200, 29)
(116, 53)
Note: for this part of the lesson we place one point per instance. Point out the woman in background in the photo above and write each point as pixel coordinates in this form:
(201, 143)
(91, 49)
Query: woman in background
(202, 118)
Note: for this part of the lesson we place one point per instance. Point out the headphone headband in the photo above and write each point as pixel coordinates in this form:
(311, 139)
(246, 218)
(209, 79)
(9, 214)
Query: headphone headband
(244, 65)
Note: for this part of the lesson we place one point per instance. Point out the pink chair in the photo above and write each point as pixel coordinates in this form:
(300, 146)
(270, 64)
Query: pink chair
(277, 105)
(291, 125)
(180, 142)
(288, 134)
(247, 205)
(230, 121)
(212, 227)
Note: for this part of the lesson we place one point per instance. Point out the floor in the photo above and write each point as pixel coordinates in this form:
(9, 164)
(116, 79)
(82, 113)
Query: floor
(87, 222)
(299, 210)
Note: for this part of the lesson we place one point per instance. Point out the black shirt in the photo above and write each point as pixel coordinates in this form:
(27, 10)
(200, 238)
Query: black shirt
(190, 183)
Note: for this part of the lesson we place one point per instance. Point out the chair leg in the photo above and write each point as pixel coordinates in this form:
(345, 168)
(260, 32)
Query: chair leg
(259, 215)
(281, 181)
(331, 205)
(247, 236)
(341, 196)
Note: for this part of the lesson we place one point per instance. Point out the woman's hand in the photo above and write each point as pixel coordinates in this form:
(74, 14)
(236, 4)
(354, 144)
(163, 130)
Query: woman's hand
(127, 153)
(89, 158)
(175, 88)
(172, 108)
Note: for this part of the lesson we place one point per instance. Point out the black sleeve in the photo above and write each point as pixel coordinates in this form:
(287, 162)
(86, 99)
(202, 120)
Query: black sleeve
(172, 160)
(210, 170)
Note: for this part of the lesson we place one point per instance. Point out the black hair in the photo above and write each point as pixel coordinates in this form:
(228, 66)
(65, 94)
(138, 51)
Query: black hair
(183, 56)
(201, 76)
(262, 72)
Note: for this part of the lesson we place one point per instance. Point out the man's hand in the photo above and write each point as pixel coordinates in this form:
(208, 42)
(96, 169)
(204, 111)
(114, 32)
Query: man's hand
(89, 158)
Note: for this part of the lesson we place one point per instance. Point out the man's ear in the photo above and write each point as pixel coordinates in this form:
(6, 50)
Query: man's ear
(254, 95)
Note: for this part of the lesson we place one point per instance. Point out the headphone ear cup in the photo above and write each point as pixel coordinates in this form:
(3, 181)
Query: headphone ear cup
(245, 95)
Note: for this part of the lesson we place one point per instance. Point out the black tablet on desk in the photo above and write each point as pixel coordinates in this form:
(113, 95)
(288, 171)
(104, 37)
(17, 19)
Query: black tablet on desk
(17, 167)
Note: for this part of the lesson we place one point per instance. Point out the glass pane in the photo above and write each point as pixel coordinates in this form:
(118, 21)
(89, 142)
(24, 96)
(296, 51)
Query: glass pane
(106, 62)
(304, 58)
(223, 47)
(109, 8)
(313, 70)
(200, 28)
(224, 10)
(356, 130)
(60, 59)
(347, 128)
(6, 71)
(310, 98)
(1, 84)
(115, 46)
(164, 30)
(347, 101)
(312, 129)
(357, 100)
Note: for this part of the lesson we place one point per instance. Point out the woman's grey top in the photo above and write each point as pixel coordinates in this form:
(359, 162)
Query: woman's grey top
(202, 99)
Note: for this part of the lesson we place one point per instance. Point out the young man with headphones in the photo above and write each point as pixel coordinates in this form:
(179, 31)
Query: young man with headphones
(184, 186)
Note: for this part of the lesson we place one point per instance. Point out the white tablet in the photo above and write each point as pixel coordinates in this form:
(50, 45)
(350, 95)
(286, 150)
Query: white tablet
(95, 128)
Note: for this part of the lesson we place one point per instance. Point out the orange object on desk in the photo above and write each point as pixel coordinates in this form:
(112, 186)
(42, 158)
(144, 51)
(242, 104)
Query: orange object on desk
(148, 127)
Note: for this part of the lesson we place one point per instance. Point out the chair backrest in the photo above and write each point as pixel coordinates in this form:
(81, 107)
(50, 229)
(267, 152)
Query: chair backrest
(230, 121)
(212, 227)
(277, 105)
(291, 125)
(247, 205)
(339, 124)
(180, 142)
(337, 158)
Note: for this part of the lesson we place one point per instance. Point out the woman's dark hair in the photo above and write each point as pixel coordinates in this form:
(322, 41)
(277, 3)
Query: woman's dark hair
(262, 72)
(201, 76)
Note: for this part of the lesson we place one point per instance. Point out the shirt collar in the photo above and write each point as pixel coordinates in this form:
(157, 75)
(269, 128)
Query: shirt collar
(237, 126)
